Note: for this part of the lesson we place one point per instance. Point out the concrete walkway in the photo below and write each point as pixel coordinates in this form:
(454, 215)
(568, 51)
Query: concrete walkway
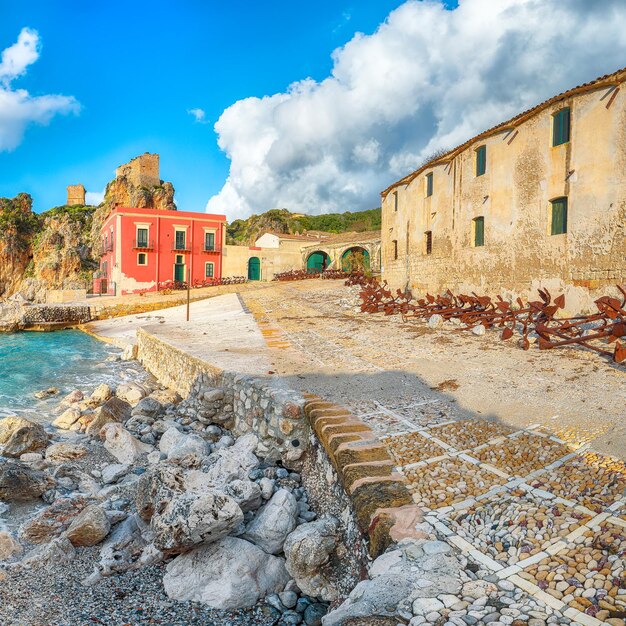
(219, 332)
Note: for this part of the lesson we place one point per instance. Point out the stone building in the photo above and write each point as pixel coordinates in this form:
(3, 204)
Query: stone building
(536, 201)
(273, 253)
(75, 195)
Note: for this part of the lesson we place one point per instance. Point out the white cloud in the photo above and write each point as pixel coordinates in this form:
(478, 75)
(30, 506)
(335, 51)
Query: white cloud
(427, 79)
(18, 108)
(94, 198)
(199, 115)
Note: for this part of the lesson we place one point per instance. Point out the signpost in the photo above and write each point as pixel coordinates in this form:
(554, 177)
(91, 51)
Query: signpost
(188, 291)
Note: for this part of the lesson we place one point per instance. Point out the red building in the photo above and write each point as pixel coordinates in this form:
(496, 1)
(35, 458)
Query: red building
(144, 249)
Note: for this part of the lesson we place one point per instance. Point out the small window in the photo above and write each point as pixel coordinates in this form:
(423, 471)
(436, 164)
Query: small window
(479, 232)
(481, 160)
(395, 200)
(209, 241)
(428, 241)
(208, 270)
(395, 249)
(429, 184)
(142, 237)
(142, 258)
(180, 259)
(560, 127)
(559, 216)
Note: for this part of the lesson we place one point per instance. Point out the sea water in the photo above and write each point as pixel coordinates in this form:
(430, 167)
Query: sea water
(67, 359)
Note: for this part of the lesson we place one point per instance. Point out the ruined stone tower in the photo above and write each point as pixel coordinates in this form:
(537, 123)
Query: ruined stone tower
(142, 171)
(75, 195)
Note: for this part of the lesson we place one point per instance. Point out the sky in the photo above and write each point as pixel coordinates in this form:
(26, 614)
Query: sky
(315, 107)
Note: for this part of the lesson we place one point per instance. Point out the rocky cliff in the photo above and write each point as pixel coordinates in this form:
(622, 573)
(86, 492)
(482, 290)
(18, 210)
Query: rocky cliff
(60, 248)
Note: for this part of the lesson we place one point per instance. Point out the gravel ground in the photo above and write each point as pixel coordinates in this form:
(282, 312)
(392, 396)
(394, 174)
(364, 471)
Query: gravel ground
(56, 597)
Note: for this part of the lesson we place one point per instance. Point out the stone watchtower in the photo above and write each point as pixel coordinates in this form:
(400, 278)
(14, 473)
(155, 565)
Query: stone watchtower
(75, 195)
(142, 171)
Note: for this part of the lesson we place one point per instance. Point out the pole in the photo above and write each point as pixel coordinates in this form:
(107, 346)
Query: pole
(188, 291)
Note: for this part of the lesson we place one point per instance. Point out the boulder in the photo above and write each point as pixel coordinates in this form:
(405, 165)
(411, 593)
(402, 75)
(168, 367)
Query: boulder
(89, 528)
(52, 521)
(121, 548)
(62, 452)
(113, 472)
(234, 463)
(415, 569)
(72, 398)
(20, 436)
(18, 482)
(190, 519)
(150, 407)
(246, 493)
(188, 451)
(130, 352)
(46, 393)
(112, 411)
(9, 546)
(166, 396)
(156, 488)
(274, 522)
(307, 551)
(131, 393)
(228, 574)
(68, 418)
(50, 555)
(122, 445)
(100, 395)
(169, 439)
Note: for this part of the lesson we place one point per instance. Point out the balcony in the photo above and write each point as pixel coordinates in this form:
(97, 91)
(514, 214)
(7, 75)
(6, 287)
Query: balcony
(143, 244)
(106, 247)
(180, 247)
(211, 249)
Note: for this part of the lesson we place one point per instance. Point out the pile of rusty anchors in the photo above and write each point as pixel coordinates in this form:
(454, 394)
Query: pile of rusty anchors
(606, 326)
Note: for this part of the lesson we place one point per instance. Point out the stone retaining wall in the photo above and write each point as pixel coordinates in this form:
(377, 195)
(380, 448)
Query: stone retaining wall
(260, 405)
(16, 316)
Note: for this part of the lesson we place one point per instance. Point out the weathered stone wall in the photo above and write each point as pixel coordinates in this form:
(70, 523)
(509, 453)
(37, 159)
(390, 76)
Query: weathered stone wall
(15, 316)
(142, 171)
(524, 173)
(260, 405)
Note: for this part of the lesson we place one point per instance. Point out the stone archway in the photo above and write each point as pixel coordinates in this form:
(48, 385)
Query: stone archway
(355, 258)
(317, 261)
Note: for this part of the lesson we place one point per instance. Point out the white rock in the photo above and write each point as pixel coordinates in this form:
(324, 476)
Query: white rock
(235, 462)
(424, 606)
(267, 487)
(274, 522)
(188, 451)
(131, 393)
(229, 574)
(478, 589)
(8, 546)
(169, 439)
(479, 330)
(113, 472)
(68, 418)
(435, 321)
(122, 445)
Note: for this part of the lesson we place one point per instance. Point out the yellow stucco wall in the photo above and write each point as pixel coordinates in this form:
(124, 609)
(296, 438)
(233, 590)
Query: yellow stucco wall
(273, 260)
(524, 173)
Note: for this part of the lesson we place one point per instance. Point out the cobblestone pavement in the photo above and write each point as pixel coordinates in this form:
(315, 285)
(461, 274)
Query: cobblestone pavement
(544, 513)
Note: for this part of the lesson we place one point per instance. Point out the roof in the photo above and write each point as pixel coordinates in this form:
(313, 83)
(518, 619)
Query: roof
(608, 80)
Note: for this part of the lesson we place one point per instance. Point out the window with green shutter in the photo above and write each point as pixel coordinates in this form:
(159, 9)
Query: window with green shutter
(481, 160)
(429, 184)
(559, 216)
(560, 127)
(479, 232)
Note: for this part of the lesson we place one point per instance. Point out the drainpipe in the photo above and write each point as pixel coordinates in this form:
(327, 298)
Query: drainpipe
(191, 254)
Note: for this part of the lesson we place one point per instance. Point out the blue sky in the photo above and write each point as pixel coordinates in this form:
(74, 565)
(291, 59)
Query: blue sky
(315, 107)
(136, 68)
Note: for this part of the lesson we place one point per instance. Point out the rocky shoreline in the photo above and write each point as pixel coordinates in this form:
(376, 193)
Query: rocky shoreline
(133, 494)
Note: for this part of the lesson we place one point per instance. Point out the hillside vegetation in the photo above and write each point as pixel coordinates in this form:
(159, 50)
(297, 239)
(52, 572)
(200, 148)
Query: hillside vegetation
(284, 221)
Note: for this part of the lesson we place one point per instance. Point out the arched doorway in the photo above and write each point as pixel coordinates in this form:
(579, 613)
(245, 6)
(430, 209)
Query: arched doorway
(355, 258)
(317, 261)
(254, 268)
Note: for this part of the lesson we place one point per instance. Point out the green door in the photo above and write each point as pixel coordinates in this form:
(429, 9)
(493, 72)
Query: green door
(254, 268)
(179, 272)
(318, 261)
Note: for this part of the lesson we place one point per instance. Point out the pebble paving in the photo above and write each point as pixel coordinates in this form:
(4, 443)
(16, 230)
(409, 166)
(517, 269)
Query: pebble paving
(469, 434)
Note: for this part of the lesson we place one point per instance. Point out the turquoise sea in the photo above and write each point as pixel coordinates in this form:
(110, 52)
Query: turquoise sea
(67, 359)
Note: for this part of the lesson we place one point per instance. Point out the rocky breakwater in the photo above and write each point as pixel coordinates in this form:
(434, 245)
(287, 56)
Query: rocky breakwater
(19, 315)
(135, 486)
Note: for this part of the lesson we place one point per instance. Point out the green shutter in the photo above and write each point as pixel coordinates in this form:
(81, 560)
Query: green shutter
(559, 216)
(479, 232)
(429, 184)
(481, 160)
(561, 127)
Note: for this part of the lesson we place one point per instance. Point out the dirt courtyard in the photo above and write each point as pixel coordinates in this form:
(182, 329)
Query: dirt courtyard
(320, 342)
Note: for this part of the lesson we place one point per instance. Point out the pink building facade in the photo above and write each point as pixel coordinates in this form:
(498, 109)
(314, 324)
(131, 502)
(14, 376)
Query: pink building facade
(147, 249)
